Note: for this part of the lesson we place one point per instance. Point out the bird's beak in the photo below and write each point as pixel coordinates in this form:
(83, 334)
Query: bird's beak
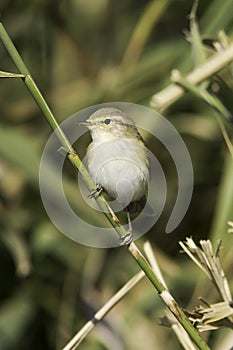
(86, 123)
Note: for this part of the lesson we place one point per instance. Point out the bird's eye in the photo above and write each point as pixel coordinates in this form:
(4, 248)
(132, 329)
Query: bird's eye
(107, 121)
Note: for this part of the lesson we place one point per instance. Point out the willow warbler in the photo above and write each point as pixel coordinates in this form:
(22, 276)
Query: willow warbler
(117, 157)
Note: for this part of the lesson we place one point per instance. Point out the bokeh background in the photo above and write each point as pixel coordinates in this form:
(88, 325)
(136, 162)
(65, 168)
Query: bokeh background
(82, 53)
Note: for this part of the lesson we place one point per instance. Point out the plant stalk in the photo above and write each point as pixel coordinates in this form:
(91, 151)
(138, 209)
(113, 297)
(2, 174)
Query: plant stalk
(75, 160)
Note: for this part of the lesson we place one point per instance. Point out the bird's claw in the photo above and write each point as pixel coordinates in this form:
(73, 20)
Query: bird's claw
(96, 192)
(127, 238)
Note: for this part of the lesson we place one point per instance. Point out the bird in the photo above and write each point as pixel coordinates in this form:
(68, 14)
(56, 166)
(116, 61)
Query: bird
(117, 159)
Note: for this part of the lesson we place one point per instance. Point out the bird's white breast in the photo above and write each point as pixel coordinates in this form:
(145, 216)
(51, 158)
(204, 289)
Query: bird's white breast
(120, 166)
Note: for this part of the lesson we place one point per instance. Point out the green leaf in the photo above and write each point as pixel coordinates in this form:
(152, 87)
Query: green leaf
(11, 75)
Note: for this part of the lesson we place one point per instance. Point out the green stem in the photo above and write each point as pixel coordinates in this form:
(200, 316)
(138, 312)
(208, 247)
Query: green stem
(72, 155)
(75, 160)
(29, 82)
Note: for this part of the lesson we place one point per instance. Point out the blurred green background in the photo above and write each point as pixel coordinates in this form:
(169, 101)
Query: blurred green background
(82, 53)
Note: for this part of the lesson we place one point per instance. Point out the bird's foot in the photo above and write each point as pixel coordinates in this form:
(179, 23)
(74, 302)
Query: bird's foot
(96, 192)
(127, 238)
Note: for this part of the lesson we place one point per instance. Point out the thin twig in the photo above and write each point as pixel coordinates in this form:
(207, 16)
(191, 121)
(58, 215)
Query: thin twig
(4, 74)
(153, 262)
(212, 100)
(101, 313)
(209, 262)
(173, 92)
(170, 320)
(167, 298)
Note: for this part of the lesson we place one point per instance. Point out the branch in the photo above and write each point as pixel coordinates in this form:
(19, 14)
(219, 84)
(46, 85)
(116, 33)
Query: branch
(103, 311)
(173, 92)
